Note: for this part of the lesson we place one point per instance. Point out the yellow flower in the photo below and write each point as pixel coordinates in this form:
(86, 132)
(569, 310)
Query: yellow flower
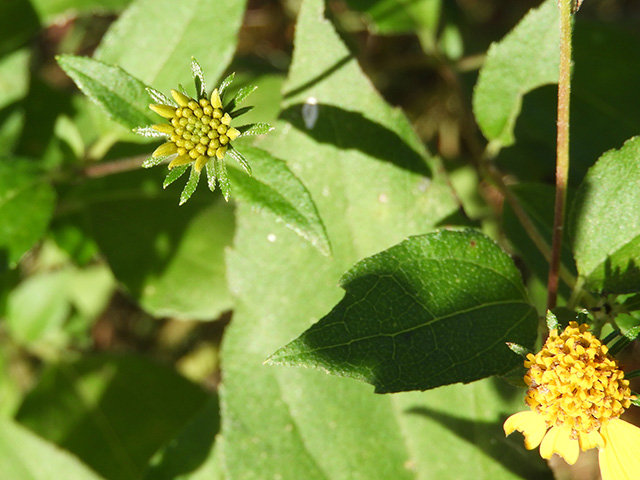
(577, 394)
(198, 130)
(199, 133)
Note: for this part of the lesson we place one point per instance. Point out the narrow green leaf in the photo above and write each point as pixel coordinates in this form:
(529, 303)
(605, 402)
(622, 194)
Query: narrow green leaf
(604, 222)
(26, 205)
(122, 97)
(211, 175)
(238, 157)
(434, 310)
(160, 97)
(198, 78)
(223, 178)
(525, 59)
(153, 161)
(240, 111)
(225, 84)
(174, 174)
(166, 34)
(254, 129)
(149, 132)
(190, 187)
(240, 96)
(24, 455)
(276, 190)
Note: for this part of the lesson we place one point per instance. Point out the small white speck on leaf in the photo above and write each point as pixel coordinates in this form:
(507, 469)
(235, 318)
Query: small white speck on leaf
(383, 198)
(310, 112)
(271, 237)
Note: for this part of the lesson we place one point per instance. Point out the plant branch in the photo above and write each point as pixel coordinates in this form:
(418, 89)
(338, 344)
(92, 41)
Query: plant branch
(562, 149)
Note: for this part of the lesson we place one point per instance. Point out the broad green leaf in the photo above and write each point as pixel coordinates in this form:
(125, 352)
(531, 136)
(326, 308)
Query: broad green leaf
(275, 189)
(170, 258)
(112, 412)
(14, 77)
(433, 310)
(26, 205)
(154, 40)
(50, 11)
(602, 117)
(317, 426)
(121, 96)
(604, 222)
(525, 59)
(189, 456)
(26, 456)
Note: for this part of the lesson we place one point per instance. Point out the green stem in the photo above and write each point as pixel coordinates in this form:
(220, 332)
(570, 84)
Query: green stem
(562, 149)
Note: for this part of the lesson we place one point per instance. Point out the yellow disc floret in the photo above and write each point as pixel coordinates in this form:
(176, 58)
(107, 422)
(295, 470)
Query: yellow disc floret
(574, 383)
(199, 130)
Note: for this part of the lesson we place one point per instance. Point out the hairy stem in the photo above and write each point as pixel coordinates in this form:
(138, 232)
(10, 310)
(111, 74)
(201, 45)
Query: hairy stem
(562, 149)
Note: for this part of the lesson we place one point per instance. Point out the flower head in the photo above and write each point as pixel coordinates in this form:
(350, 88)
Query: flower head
(577, 393)
(199, 133)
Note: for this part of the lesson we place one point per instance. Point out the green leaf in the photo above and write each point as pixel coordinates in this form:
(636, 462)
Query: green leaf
(122, 97)
(604, 222)
(525, 59)
(24, 455)
(320, 426)
(18, 23)
(38, 308)
(112, 412)
(255, 129)
(14, 77)
(225, 84)
(166, 34)
(189, 456)
(190, 187)
(276, 190)
(174, 174)
(51, 11)
(239, 158)
(434, 310)
(537, 201)
(198, 78)
(26, 206)
(222, 177)
(240, 96)
(169, 258)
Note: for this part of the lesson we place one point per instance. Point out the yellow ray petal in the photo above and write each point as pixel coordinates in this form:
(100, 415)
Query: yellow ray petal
(180, 98)
(201, 161)
(619, 459)
(221, 151)
(181, 160)
(232, 133)
(226, 119)
(590, 440)
(164, 150)
(164, 128)
(215, 99)
(165, 111)
(531, 424)
(558, 440)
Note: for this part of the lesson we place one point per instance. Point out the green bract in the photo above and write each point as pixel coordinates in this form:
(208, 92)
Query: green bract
(199, 133)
